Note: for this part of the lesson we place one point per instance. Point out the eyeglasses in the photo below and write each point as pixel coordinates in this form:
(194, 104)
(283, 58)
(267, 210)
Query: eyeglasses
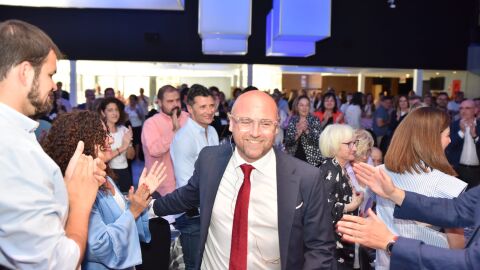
(246, 123)
(351, 144)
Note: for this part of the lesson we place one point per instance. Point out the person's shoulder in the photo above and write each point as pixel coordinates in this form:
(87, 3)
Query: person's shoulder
(211, 152)
(300, 167)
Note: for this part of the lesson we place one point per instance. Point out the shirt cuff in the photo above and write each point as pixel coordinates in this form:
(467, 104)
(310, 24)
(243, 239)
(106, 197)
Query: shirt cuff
(151, 213)
(461, 134)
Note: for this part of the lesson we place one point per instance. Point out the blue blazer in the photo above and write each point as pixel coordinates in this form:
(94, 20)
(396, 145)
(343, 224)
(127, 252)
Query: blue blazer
(113, 235)
(455, 213)
(305, 234)
(454, 149)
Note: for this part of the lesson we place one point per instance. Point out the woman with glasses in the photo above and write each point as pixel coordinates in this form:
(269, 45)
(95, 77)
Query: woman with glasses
(116, 225)
(338, 144)
(416, 162)
(303, 131)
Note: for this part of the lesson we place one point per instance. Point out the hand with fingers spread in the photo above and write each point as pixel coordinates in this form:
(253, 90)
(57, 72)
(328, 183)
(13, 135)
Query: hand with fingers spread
(139, 199)
(370, 231)
(154, 178)
(379, 182)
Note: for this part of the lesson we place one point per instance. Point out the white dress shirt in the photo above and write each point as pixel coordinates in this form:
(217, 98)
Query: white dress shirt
(469, 152)
(33, 200)
(263, 250)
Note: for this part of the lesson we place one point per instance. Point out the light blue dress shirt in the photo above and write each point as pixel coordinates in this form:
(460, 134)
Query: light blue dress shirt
(113, 234)
(185, 147)
(33, 200)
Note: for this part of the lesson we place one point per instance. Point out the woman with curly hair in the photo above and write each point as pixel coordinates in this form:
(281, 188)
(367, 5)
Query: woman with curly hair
(303, 131)
(113, 115)
(116, 226)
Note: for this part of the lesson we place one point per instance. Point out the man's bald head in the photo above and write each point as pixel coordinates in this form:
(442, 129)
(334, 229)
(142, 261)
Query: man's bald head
(467, 109)
(255, 99)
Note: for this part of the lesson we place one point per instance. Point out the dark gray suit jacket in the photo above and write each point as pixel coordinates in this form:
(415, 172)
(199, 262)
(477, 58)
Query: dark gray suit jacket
(305, 234)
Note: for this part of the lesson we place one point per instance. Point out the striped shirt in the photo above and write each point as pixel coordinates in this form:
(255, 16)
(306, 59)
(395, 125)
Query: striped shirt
(433, 184)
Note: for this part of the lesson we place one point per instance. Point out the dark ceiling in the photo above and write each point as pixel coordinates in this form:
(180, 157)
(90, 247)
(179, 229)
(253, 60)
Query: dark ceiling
(427, 34)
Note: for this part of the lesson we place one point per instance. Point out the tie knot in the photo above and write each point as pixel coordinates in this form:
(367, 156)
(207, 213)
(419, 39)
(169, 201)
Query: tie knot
(246, 169)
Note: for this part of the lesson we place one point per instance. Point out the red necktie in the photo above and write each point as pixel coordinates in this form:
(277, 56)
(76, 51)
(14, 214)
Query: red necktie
(238, 249)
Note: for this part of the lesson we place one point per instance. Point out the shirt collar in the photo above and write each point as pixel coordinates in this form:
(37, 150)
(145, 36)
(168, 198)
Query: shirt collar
(18, 119)
(195, 126)
(263, 165)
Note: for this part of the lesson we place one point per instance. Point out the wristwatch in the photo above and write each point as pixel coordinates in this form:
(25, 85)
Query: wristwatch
(390, 244)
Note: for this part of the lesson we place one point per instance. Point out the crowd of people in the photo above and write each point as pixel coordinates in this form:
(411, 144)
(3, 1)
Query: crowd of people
(260, 181)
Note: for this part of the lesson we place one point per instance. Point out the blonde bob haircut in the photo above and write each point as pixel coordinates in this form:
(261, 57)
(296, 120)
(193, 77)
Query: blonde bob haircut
(416, 144)
(365, 143)
(332, 137)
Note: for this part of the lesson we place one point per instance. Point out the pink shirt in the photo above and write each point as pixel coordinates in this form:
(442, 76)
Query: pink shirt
(157, 135)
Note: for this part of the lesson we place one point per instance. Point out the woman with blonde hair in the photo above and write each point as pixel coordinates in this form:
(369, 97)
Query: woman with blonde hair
(416, 162)
(338, 144)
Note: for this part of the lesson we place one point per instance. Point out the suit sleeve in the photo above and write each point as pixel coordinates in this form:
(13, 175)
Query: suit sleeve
(318, 234)
(414, 254)
(446, 213)
(182, 199)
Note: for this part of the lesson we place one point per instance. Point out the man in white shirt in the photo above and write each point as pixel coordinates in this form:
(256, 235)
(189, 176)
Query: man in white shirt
(464, 150)
(260, 208)
(44, 220)
(186, 145)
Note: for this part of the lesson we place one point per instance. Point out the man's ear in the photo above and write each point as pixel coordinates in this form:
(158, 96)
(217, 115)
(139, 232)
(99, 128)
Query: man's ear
(189, 109)
(25, 73)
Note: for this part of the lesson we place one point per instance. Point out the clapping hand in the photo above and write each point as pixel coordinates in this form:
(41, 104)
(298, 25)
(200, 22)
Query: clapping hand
(154, 178)
(379, 182)
(139, 200)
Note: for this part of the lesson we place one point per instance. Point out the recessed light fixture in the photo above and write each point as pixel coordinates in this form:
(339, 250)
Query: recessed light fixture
(454, 72)
(437, 73)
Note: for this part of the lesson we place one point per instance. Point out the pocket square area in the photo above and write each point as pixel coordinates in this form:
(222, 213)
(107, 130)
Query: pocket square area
(300, 205)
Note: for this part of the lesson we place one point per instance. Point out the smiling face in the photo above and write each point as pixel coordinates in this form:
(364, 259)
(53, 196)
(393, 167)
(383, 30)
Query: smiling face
(202, 110)
(39, 99)
(254, 142)
(329, 103)
(111, 113)
(303, 107)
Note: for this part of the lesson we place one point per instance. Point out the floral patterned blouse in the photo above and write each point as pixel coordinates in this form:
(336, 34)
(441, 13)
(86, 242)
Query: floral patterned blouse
(339, 193)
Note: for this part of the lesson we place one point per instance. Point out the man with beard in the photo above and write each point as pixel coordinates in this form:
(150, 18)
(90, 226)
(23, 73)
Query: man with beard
(158, 132)
(44, 220)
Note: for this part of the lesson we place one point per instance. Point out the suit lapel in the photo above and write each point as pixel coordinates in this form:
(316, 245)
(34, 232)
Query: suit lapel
(213, 168)
(287, 193)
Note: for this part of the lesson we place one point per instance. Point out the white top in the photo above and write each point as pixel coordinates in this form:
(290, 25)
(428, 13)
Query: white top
(469, 152)
(33, 200)
(353, 115)
(433, 184)
(134, 115)
(263, 250)
(120, 161)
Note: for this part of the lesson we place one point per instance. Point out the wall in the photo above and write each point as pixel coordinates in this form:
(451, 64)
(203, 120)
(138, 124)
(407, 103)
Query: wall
(340, 83)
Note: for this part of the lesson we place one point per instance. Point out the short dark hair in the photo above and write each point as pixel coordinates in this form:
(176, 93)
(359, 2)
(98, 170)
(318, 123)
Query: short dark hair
(383, 98)
(21, 41)
(120, 106)
(197, 90)
(164, 89)
(442, 94)
(357, 99)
